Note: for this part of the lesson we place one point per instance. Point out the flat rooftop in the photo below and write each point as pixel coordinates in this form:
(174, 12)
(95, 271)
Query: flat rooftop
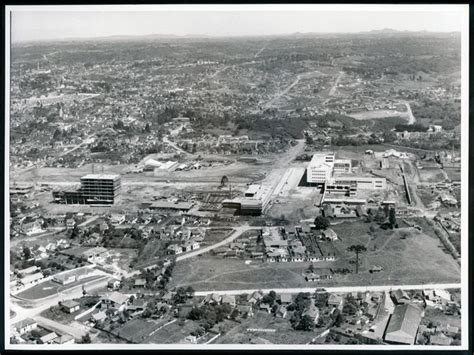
(101, 176)
(171, 205)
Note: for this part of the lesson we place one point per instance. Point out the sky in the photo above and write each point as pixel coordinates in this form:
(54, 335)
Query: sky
(43, 23)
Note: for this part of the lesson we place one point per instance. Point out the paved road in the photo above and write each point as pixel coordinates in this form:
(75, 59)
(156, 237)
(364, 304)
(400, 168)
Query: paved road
(336, 82)
(174, 146)
(238, 231)
(285, 91)
(411, 118)
(76, 332)
(74, 292)
(343, 289)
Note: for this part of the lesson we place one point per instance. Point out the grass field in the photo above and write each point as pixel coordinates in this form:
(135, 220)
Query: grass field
(173, 333)
(49, 288)
(283, 334)
(208, 273)
(138, 330)
(419, 258)
(433, 175)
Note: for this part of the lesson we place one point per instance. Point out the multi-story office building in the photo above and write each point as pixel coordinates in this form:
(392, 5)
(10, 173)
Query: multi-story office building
(101, 189)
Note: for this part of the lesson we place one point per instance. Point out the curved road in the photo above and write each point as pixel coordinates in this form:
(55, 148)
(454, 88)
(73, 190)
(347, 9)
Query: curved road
(238, 231)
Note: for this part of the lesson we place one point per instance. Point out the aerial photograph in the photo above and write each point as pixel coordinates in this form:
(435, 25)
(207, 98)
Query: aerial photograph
(235, 178)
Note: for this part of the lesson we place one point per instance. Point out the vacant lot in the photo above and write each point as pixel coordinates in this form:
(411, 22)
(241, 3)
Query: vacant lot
(208, 273)
(283, 334)
(370, 115)
(49, 288)
(433, 175)
(172, 333)
(407, 256)
(454, 174)
(139, 330)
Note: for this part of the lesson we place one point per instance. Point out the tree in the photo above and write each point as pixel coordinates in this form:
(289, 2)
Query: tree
(189, 291)
(392, 218)
(321, 222)
(26, 252)
(357, 248)
(306, 323)
(86, 339)
(224, 181)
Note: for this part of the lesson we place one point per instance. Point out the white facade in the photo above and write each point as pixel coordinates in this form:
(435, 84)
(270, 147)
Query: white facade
(320, 168)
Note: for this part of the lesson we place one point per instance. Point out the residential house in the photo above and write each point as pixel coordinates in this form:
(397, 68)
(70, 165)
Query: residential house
(400, 296)
(228, 299)
(64, 339)
(70, 306)
(212, 298)
(449, 330)
(440, 339)
(265, 307)
(32, 278)
(255, 297)
(115, 299)
(286, 299)
(437, 296)
(245, 310)
(335, 300)
(70, 223)
(329, 234)
(117, 218)
(98, 317)
(26, 325)
(48, 338)
(139, 283)
(174, 249)
(29, 270)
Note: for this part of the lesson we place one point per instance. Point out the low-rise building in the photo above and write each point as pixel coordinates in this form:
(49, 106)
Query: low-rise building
(25, 325)
(70, 306)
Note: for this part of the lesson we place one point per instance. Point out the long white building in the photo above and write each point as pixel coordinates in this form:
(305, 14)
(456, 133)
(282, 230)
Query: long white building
(336, 175)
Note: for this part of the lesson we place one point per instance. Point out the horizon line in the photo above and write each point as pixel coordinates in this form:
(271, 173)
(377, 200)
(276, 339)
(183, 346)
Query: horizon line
(386, 31)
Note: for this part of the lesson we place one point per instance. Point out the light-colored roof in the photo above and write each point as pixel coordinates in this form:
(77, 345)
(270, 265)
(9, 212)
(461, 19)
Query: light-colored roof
(252, 189)
(117, 297)
(49, 337)
(32, 277)
(403, 324)
(24, 323)
(170, 205)
(101, 176)
(70, 303)
(63, 339)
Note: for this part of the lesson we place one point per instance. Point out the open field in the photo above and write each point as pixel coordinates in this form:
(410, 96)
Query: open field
(283, 334)
(416, 258)
(172, 333)
(49, 288)
(208, 273)
(371, 115)
(432, 175)
(138, 330)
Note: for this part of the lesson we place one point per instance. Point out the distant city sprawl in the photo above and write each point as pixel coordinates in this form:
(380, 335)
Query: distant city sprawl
(299, 189)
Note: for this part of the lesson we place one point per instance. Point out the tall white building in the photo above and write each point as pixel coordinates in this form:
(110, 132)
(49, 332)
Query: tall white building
(320, 168)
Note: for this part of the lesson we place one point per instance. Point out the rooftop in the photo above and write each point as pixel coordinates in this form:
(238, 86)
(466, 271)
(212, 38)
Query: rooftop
(101, 176)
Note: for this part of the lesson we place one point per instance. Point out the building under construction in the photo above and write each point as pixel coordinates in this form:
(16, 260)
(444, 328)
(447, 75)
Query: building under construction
(96, 189)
